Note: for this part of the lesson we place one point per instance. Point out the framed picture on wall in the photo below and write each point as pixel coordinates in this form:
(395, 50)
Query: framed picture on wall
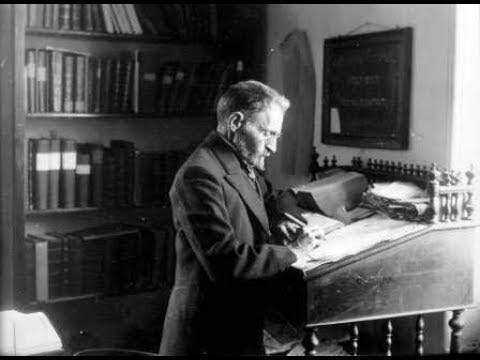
(366, 90)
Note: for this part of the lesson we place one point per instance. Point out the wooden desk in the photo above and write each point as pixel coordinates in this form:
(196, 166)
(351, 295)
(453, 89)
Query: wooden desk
(430, 271)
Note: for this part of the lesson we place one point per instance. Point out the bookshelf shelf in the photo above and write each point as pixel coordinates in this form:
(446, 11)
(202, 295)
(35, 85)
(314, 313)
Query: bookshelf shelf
(61, 211)
(112, 115)
(65, 299)
(90, 35)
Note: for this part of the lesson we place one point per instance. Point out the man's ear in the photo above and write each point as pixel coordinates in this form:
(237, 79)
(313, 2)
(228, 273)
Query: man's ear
(235, 121)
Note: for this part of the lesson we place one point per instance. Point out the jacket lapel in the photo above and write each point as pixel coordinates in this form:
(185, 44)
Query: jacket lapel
(251, 198)
(237, 177)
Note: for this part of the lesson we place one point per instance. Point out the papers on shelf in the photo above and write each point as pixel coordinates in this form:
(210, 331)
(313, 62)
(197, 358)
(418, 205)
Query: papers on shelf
(27, 334)
(356, 237)
(398, 190)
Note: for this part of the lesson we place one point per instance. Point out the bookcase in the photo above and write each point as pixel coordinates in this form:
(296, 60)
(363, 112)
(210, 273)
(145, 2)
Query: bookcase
(164, 132)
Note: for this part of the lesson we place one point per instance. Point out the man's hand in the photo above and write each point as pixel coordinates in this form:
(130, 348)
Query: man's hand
(308, 238)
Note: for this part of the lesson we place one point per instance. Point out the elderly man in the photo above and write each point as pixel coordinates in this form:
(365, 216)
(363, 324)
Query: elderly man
(225, 250)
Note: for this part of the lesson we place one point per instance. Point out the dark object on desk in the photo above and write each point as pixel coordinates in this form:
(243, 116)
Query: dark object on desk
(333, 195)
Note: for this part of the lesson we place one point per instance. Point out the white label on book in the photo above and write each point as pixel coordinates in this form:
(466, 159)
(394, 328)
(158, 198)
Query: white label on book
(83, 169)
(149, 76)
(167, 79)
(99, 73)
(31, 70)
(79, 106)
(335, 121)
(179, 76)
(68, 105)
(69, 160)
(41, 74)
(54, 161)
(42, 162)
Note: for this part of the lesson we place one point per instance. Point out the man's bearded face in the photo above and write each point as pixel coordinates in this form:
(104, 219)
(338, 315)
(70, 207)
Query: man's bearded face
(257, 138)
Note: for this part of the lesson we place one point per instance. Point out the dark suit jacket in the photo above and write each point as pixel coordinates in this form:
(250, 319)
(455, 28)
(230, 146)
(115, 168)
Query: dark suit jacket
(223, 259)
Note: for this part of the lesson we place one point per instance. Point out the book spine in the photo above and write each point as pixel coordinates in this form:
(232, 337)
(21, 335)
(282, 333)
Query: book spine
(136, 82)
(165, 88)
(88, 17)
(126, 101)
(75, 256)
(31, 174)
(82, 173)
(67, 178)
(77, 16)
(41, 270)
(107, 85)
(65, 16)
(39, 15)
(97, 18)
(41, 80)
(56, 80)
(31, 10)
(107, 19)
(42, 167)
(118, 64)
(79, 104)
(99, 76)
(30, 74)
(68, 83)
(97, 174)
(48, 18)
(148, 84)
(91, 84)
(54, 174)
(55, 16)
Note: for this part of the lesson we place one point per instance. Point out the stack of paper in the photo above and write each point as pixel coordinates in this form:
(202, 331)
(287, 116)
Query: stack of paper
(27, 334)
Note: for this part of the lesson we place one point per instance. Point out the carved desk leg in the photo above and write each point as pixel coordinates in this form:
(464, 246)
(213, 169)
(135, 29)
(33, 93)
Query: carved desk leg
(420, 326)
(354, 338)
(388, 340)
(310, 342)
(456, 324)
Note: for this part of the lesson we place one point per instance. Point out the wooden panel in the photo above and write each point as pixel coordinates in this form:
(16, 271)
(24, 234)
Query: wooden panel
(431, 272)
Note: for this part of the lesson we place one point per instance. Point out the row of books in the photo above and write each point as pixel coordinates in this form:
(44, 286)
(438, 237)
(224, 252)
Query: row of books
(181, 21)
(61, 173)
(110, 259)
(67, 82)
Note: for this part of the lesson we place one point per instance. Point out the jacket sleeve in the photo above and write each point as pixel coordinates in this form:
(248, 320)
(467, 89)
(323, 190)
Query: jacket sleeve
(199, 202)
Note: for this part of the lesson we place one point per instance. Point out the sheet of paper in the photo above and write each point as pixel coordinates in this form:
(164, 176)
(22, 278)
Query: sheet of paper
(7, 333)
(334, 121)
(34, 334)
(358, 236)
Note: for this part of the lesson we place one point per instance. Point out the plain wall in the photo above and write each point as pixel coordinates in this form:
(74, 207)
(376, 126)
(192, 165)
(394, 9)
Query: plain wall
(430, 107)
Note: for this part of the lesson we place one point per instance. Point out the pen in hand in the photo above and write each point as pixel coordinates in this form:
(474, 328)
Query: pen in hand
(302, 224)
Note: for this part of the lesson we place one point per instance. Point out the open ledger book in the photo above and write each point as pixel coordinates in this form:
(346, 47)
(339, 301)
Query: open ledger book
(27, 334)
(357, 237)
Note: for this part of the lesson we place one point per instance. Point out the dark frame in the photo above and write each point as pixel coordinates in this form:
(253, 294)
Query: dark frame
(366, 90)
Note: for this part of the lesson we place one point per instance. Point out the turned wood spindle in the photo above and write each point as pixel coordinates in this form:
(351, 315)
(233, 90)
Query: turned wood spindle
(380, 165)
(334, 161)
(399, 167)
(388, 339)
(454, 204)
(325, 162)
(456, 324)
(433, 193)
(375, 164)
(310, 342)
(420, 326)
(369, 163)
(354, 339)
(419, 170)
